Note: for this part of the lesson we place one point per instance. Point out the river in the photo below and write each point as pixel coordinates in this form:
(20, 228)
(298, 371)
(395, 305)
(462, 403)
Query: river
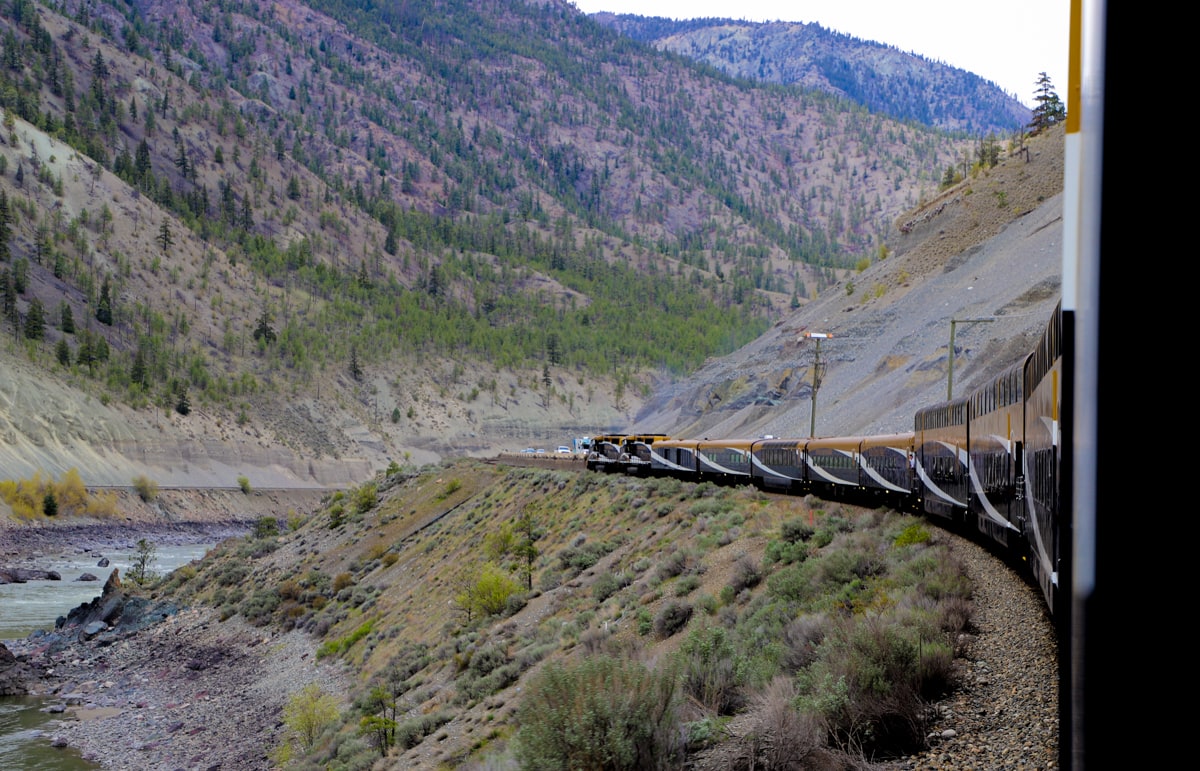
(28, 607)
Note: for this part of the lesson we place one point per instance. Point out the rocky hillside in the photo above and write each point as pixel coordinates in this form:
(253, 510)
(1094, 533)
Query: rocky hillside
(431, 610)
(990, 247)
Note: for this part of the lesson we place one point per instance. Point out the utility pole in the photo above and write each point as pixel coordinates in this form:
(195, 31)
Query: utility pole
(818, 376)
(950, 367)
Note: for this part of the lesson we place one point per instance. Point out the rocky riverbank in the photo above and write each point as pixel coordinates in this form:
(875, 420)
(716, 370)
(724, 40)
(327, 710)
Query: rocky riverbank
(148, 685)
(173, 517)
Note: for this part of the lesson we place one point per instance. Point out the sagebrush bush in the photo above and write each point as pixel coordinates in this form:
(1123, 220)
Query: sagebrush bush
(410, 733)
(802, 640)
(781, 737)
(600, 713)
(869, 685)
(579, 557)
(954, 616)
(746, 574)
(676, 563)
(795, 531)
(711, 676)
(686, 585)
(673, 617)
(608, 584)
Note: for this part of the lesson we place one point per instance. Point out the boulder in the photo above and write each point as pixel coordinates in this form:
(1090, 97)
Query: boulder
(88, 577)
(107, 607)
(30, 574)
(103, 563)
(14, 673)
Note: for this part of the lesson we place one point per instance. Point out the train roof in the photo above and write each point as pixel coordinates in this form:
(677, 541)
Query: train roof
(904, 439)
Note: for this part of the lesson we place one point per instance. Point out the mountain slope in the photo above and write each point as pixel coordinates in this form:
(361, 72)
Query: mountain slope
(346, 234)
(879, 77)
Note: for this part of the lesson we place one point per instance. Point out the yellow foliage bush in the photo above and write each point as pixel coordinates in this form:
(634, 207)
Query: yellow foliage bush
(25, 496)
(72, 496)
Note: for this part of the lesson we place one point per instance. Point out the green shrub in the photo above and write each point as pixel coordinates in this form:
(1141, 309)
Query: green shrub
(334, 647)
(365, 498)
(257, 609)
(793, 583)
(601, 713)
(913, 534)
(486, 594)
(453, 486)
(782, 552)
(266, 527)
(244, 483)
(233, 573)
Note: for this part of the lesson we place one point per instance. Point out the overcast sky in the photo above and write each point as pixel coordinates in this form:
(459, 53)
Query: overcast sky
(1008, 43)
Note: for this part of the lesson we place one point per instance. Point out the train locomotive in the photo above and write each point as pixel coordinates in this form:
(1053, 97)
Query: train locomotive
(989, 460)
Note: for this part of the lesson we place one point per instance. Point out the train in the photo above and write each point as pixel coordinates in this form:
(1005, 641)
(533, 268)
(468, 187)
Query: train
(989, 461)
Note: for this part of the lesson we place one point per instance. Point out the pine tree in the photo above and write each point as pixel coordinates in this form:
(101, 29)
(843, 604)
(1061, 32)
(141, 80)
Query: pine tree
(35, 320)
(165, 240)
(137, 372)
(141, 162)
(66, 319)
(5, 227)
(20, 275)
(104, 312)
(62, 351)
(1050, 109)
(86, 355)
(264, 331)
(8, 295)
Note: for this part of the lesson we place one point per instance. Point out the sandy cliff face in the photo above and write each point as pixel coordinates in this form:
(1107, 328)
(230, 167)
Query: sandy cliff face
(47, 426)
